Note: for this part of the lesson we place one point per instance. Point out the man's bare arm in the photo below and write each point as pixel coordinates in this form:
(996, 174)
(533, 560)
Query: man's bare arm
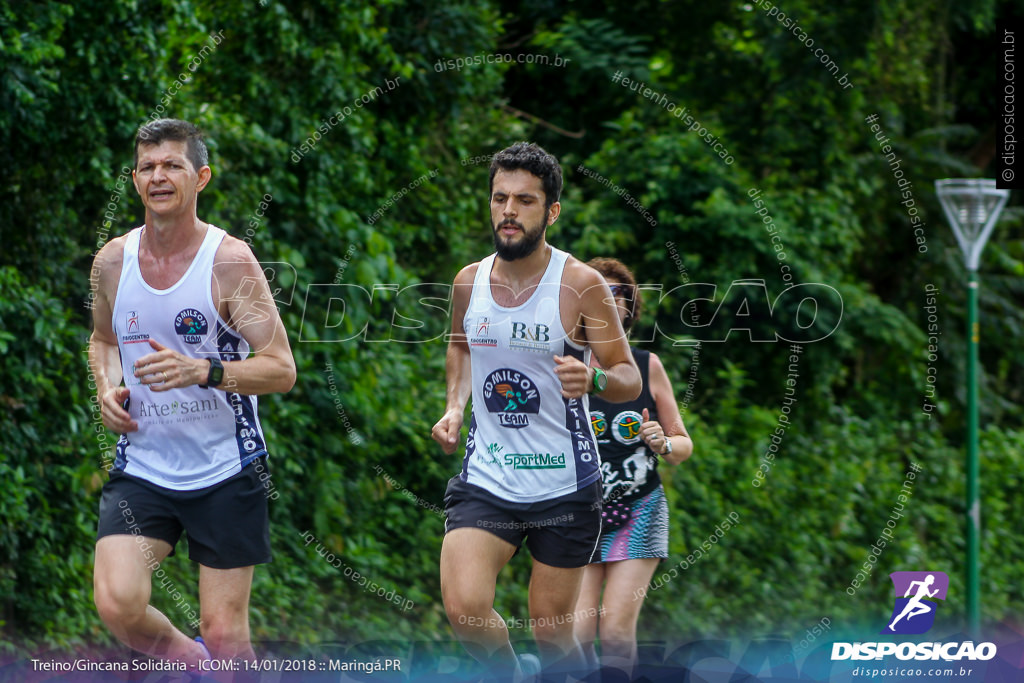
(458, 371)
(604, 335)
(104, 356)
(244, 300)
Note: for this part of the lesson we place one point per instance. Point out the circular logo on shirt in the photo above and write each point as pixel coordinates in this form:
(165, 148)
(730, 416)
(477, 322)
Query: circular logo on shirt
(626, 427)
(191, 325)
(598, 423)
(512, 396)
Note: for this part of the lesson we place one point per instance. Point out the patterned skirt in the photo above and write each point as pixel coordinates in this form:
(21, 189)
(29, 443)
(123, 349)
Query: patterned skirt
(645, 535)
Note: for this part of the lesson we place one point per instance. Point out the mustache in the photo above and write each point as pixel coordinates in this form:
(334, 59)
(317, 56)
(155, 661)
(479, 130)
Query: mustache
(512, 223)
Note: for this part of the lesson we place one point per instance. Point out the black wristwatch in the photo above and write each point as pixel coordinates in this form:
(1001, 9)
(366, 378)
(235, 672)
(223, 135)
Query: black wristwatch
(600, 380)
(216, 375)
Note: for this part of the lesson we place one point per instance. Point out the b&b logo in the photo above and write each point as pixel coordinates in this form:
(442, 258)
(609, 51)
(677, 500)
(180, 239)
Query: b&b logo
(513, 396)
(527, 338)
(915, 613)
(191, 325)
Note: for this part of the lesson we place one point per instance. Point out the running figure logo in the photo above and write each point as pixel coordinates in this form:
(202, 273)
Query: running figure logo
(915, 611)
(513, 396)
(191, 325)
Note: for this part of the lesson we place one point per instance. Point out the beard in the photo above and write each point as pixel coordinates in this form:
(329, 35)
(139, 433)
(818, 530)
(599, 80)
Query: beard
(513, 251)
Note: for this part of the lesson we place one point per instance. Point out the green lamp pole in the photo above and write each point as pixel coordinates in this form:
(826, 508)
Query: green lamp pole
(972, 207)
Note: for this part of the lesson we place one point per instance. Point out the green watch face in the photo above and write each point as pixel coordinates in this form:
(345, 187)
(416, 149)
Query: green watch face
(600, 380)
(216, 374)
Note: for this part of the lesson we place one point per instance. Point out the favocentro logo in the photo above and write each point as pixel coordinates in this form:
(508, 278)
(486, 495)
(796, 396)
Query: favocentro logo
(949, 652)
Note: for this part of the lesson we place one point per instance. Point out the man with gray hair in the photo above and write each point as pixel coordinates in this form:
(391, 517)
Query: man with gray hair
(186, 335)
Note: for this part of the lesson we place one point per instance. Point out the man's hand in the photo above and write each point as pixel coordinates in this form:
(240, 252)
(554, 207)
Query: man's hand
(115, 417)
(446, 431)
(574, 376)
(167, 369)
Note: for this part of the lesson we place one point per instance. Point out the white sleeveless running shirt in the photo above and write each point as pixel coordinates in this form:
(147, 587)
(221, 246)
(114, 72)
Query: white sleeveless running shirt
(188, 438)
(526, 442)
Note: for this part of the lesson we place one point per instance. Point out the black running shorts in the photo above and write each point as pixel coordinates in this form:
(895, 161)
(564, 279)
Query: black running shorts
(561, 532)
(227, 523)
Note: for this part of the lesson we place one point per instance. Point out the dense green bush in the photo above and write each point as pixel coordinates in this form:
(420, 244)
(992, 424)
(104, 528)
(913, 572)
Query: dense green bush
(351, 454)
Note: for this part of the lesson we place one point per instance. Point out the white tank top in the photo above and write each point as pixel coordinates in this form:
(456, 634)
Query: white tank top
(526, 442)
(188, 438)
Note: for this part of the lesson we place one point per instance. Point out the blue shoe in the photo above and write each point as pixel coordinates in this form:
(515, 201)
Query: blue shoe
(194, 674)
(530, 666)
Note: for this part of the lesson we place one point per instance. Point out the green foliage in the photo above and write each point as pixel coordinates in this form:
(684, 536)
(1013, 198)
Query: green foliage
(386, 201)
(50, 465)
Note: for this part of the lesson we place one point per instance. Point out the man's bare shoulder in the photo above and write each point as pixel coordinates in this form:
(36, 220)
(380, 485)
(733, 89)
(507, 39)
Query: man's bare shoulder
(234, 250)
(580, 277)
(467, 274)
(107, 265)
(111, 254)
(462, 287)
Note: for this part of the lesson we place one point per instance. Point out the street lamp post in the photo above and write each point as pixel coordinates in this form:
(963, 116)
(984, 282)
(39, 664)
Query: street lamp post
(972, 207)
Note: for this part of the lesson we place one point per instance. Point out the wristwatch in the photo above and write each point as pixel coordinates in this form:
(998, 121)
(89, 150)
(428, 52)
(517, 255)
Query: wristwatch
(600, 380)
(216, 375)
(668, 446)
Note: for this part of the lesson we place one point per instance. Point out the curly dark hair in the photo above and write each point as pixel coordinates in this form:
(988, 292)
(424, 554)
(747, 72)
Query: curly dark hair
(614, 269)
(158, 131)
(531, 157)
